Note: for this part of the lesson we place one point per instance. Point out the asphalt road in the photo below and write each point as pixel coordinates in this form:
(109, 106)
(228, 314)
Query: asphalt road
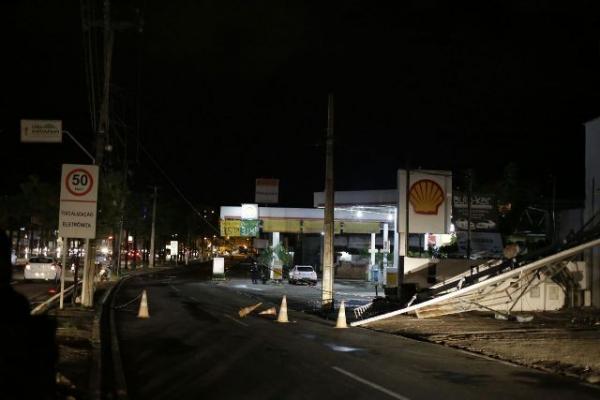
(195, 346)
(37, 291)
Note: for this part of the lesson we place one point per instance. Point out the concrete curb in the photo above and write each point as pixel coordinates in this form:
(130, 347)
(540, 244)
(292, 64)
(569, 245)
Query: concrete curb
(96, 369)
(120, 385)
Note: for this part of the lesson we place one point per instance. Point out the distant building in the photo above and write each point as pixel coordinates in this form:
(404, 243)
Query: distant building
(592, 205)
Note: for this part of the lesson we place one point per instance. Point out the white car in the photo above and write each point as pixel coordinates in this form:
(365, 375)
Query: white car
(41, 268)
(463, 223)
(486, 224)
(303, 273)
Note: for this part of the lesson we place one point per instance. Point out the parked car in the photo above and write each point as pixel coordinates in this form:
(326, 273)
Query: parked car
(463, 223)
(485, 224)
(302, 273)
(41, 268)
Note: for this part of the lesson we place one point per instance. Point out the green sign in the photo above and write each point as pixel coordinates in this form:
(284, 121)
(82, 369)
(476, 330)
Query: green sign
(249, 227)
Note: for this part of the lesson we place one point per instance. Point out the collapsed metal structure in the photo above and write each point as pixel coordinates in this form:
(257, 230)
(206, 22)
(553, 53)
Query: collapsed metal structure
(501, 283)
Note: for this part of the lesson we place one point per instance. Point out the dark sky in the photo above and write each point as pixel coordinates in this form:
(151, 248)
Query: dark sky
(231, 91)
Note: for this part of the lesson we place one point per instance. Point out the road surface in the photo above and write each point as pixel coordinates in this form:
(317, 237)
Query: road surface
(195, 346)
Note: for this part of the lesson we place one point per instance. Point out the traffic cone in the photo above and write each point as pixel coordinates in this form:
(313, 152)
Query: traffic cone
(247, 310)
(282, 317)
(341, 320)
(143, 312)
(269, 311)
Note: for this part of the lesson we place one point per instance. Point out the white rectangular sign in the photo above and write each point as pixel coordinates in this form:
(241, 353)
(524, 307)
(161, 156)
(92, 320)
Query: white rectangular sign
(267, 191)
(174, 247)
(430, 201)
(41, 131)
(78, 201)
(218, 266)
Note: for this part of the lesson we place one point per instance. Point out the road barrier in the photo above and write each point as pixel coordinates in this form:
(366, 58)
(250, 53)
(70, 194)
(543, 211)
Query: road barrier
(41, 308)
(143, 312)
(341, 320)
(283, 314)
(247, 310)
(269, 311)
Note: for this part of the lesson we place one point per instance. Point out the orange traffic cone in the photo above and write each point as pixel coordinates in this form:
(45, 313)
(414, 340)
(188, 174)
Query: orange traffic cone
(143, 312)
(247, 310)
(269, 311)
(282, 317)
(341, 320)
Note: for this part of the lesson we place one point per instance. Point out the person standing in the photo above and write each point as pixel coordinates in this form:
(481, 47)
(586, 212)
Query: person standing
(254, 272)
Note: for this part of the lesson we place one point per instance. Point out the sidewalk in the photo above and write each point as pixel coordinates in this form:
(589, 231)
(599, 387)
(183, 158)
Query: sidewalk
(565, 342)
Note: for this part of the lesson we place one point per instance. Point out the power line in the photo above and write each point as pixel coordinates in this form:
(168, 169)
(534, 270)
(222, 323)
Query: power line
(172, 183)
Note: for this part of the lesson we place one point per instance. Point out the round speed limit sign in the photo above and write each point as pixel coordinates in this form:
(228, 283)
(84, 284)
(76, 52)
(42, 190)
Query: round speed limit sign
(79, 182)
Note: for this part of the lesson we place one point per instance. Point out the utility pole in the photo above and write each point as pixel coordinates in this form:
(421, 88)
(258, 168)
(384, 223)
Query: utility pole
(404, 254)
(327, 290)
(87, 290)
(554, 235)
(102, 134)
(153, 231)
(469, 195)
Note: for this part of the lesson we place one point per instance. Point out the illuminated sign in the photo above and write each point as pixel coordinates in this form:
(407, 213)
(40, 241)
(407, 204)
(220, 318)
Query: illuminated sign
(426, 196)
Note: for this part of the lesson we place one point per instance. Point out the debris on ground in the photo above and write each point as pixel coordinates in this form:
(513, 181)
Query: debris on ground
(563, 342)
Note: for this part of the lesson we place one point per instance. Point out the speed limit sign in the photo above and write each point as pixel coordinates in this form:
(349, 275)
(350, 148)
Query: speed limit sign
(78, 198)
(79, 182)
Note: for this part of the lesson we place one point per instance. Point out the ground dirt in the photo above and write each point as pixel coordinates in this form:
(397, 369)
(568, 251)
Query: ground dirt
(565, 342)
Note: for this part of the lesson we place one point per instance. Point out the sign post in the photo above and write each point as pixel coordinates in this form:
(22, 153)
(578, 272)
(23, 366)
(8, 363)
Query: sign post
(77, 216)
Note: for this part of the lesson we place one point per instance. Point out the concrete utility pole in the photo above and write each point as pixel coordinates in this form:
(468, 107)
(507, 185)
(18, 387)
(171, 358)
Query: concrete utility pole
(327, 290)
(87, 290)
(404, 254)
(469, 200)
(102, 134)
(152, 233)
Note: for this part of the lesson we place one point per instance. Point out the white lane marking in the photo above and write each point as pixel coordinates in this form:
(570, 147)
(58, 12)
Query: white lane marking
(343, 349)
(371, 384)
(235, 320)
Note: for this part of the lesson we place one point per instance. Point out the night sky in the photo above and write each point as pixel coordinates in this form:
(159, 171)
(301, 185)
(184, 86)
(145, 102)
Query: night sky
(227, 91)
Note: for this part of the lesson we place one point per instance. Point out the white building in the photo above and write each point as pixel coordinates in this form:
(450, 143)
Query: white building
(592, 206)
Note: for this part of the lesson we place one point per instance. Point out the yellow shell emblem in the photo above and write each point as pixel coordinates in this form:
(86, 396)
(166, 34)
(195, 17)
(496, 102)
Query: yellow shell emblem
(426, 196)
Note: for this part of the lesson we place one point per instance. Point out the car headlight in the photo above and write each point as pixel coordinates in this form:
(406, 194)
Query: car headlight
(53, 268)
(27, 266)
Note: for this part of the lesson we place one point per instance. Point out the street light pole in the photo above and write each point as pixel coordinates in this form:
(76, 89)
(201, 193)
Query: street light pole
(151, 264)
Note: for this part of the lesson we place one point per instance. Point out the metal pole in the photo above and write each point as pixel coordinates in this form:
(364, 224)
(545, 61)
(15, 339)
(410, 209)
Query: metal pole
(469, 190)
(86, 274)
(327, 290)
(152, 233)
(62, 272)
(406, 232)
(554, 236)
(88, 284)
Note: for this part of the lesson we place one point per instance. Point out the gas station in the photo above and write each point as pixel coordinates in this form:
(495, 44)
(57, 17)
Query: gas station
(374, 220)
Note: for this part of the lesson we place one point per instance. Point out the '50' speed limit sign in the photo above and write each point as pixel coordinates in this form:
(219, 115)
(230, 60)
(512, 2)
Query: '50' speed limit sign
(78, 198)
(79, 182)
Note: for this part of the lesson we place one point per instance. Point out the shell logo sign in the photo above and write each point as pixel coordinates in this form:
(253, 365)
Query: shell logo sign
(428, 203)
(426, 196)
